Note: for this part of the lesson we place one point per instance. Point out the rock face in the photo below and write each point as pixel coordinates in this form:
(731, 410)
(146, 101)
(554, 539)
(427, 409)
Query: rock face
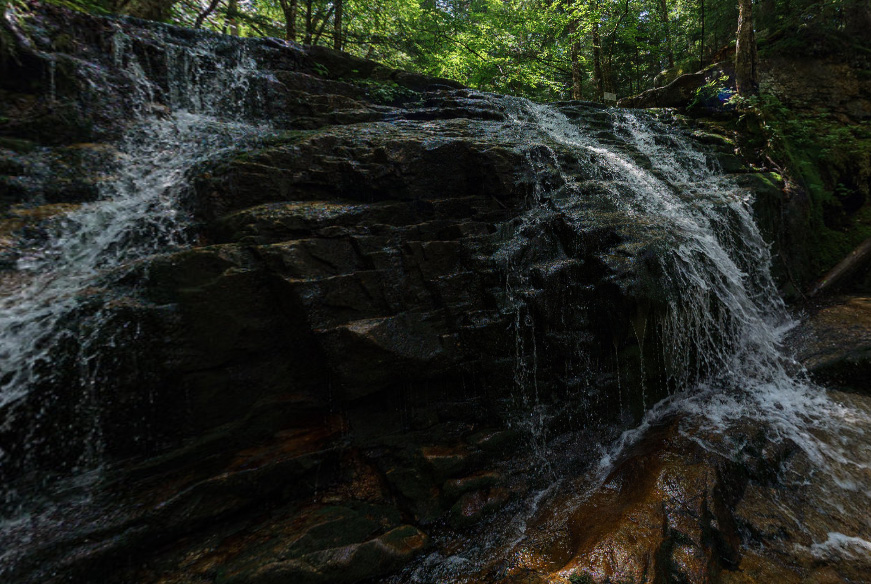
(675, 509)
(334, 367)
(378, 311)
(835, 344)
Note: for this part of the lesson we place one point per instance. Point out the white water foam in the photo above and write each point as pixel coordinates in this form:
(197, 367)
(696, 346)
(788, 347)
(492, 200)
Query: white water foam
(725, 323)
(52, 299)
(840, 545)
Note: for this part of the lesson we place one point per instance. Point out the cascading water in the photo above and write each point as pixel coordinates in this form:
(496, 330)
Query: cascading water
(720, 326)
(52, 307)
(688, 246)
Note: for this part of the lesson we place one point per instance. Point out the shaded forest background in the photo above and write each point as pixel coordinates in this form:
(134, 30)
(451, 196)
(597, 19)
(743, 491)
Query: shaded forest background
(542, 49)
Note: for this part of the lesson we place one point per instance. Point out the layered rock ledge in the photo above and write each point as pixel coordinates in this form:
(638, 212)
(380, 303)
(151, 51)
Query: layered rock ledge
(352, 362)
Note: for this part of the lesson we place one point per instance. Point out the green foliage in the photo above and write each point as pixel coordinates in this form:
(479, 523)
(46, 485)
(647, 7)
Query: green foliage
(92, 6)
(712, 95)
(581, 578)
(385, 92)
(824, 156)
(523, 47)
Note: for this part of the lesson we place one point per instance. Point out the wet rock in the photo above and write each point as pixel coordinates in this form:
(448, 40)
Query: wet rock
(346, 543)
(333, 363)
(473, 506)
(446, 461)
(739, 509)
(661, 515)
(456, 487)
(495, 440)
(834, 343)
(347, 564)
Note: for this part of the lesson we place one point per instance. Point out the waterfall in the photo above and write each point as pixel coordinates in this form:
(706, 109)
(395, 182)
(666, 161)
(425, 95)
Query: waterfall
(685, 249)
(724, 321)
(723, 325)
(723, 310)
(59, 300)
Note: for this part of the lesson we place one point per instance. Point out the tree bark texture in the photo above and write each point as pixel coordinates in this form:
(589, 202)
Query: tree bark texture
(597, 63)
(577, 74)
(337, 25)
(309, 22)
(663, 13)
(746, 59)
(289, 8)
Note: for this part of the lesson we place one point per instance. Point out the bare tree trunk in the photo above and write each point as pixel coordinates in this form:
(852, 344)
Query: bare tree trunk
(289, 8)
(746, 59)
(663, 13)
(337, 25)
(702, 38)
(597, 62)
(847, 266)
(232, 13)
(577, 74)
(323, 19)
(309, 23)
(607, 76)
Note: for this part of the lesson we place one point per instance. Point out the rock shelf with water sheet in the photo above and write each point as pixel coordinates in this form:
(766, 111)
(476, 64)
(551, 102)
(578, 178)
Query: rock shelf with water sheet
(266, 323)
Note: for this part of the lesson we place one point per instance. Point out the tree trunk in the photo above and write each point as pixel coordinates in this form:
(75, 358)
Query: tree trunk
(202, 16)
(607, 64)
(309, 23)
(847, 266)
(577, 74)
(857, 19)
(702, 37)
(663, 13)
(232, 20)
(337, 25)
(597, 62)
(323, 19)
(289, 8)
(607, 76)
(746, 59)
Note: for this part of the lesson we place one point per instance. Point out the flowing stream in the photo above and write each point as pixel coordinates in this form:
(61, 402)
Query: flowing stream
(59, 297)
(721, 333)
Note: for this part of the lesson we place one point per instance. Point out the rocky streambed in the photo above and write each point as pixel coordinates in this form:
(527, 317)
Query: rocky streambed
(366, 325)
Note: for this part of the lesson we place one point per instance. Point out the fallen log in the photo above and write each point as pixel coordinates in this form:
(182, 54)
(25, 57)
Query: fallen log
(678, 93)
(847, 266)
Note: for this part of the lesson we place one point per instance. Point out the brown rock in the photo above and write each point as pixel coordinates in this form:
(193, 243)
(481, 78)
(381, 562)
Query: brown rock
(473, 506)
(834, 343)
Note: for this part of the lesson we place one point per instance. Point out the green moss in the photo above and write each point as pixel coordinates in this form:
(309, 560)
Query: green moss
(283, 138)
(825, 157)
(384, 91)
